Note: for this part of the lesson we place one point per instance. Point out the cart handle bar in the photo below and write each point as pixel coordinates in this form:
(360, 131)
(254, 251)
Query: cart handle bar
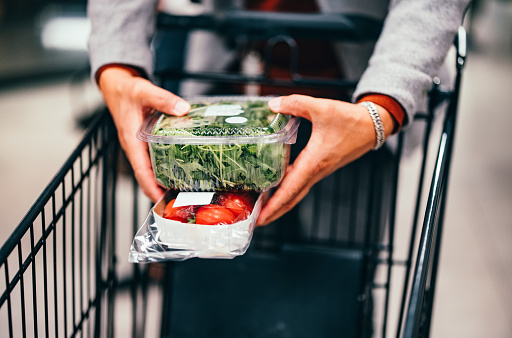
(261, 25)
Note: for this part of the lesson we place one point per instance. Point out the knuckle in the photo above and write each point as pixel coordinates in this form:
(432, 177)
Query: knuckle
(292, 193)
(137, 88)
(324, 165)
(159, 101)
(296, 195)
(331, 105)
(329, 109)
(163, 100)
(294, 102)
(321, 165)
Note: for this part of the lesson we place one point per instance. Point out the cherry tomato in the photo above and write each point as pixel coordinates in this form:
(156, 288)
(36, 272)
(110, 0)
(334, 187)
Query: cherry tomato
(237, 203)
(182, 214)
(212, 214)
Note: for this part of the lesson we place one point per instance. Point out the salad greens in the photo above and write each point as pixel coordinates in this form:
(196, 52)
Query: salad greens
(210, 166)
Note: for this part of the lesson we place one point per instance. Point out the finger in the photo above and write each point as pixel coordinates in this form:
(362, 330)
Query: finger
(161, 99)
(283, 200)
(296, 183)
(299, 105)
(137, 154)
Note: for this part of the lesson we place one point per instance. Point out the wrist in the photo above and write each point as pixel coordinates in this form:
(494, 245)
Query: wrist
(391, 105)
(114, 72)
(382, 122)
(387, 120)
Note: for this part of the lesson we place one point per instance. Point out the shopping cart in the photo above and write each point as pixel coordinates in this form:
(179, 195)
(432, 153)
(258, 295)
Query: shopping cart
(328, 268)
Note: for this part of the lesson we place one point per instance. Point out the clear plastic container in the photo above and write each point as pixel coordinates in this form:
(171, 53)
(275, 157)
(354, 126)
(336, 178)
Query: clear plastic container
(161, 239)
(225, 143)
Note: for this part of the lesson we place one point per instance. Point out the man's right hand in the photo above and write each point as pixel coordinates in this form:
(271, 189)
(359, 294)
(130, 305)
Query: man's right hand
(130, 99)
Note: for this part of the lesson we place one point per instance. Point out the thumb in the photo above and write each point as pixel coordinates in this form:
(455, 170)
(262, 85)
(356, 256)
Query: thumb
(298, 105)
(162, 100)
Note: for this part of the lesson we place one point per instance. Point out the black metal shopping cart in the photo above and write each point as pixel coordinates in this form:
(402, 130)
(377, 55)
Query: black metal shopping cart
(327, 269)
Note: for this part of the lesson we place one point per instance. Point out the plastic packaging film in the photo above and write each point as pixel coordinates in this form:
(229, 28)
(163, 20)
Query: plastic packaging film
(160, 239)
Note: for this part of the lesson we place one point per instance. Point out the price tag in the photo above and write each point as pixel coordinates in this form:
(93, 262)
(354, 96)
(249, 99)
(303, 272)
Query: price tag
(193, 198)
(224, 110)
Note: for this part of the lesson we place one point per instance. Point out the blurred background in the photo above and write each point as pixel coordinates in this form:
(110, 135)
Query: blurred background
(46, 97)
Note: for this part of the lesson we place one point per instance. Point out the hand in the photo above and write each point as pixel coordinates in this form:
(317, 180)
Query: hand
(341, 133)
(130, 100)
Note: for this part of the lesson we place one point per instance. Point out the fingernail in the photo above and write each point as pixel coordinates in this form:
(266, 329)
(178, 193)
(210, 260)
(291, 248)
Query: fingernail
(181, 108)
(275, 104)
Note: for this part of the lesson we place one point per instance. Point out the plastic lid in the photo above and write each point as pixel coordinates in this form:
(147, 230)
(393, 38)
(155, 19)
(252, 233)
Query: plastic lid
(221, 119)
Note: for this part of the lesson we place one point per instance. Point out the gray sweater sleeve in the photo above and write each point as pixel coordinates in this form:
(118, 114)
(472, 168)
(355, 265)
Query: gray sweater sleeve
(121, 32)
(412, 46)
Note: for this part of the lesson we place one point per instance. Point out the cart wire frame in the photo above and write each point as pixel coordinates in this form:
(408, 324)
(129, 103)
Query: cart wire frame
(421, 299)
(60, 261)
(69, 237)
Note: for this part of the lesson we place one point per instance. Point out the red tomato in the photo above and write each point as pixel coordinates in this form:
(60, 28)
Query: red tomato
(182, 214)
(237, 203)
(212, 214)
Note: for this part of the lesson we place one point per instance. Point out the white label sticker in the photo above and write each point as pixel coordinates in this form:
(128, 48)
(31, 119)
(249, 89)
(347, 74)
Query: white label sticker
(224, 110)
(193, 198)
(236, 119)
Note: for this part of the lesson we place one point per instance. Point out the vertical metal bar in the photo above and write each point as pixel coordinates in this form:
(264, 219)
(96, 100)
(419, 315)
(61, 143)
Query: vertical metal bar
(34, 280)
(167, 285)
(435, 259)
(391, 232)
(112, 269)
(145, 287)
(64, 253)
(377, 225)
(370, 206)
(9, 309)
(81, 249)
(414, 312)
(88, 231)
(97, 261)
(280, 233)
(374, 232)
(414, 228)
(100, 245)
(22, 290)
(45, 277)
(435, 262)
(136, 267)
(355, 201)
(335, 212)
(316, 211)
(55, 284)
(365, 287)
(73, 270)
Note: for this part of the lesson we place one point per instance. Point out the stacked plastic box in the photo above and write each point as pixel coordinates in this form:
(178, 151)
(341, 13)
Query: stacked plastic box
(229, 147)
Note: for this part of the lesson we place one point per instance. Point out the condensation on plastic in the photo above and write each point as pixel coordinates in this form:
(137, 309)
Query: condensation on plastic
(161, 239)
(215, 159)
